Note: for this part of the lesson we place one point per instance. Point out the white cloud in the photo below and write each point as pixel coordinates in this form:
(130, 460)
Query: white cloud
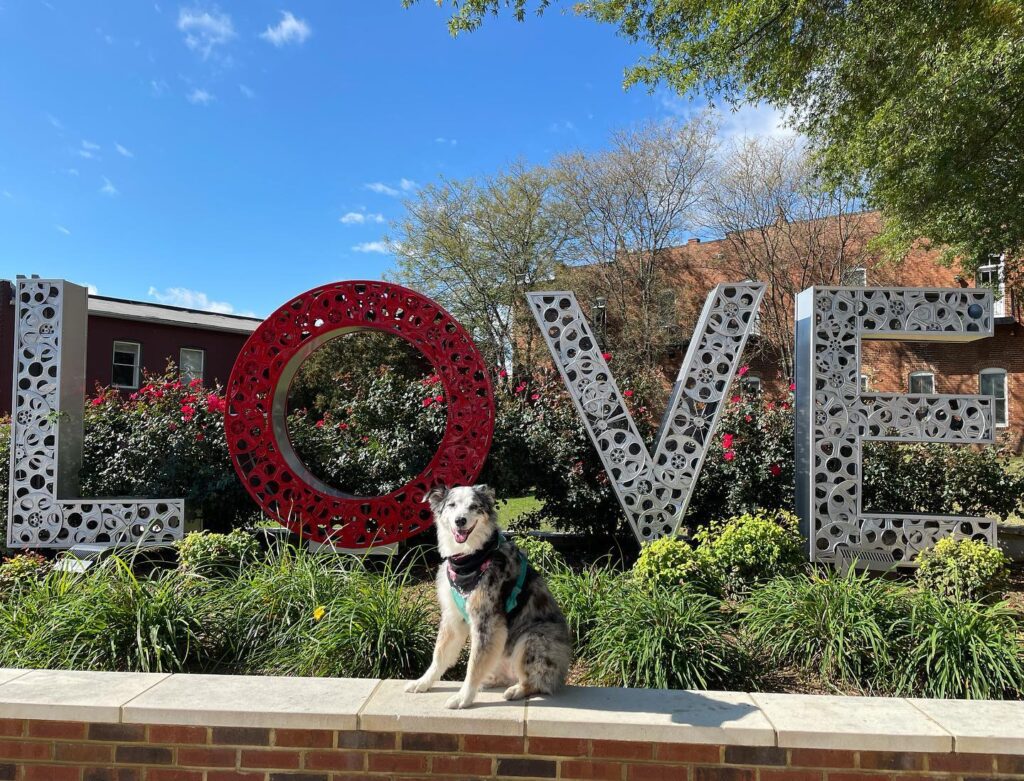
(90, 145)
(288, 30)
(379, 247)
(756, 119)
(123, 152)
(565, 126)
(205, 30)
(360, 218)
(108, 188)
(88, 150)
(54, 121)
(199, 97)
(71, 171)
(247, 91)
(63, 230)
(383, 189)
(408, 185)
(191, 299)
(443, 140)
(158, 87)
(7, 194)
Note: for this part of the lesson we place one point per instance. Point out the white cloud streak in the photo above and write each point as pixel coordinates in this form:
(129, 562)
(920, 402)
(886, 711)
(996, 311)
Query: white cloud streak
(288, 30)
(63, 230)
(108, 188)
(192, 299)
(205, 30)
(360, 218)
(199, 97)
(123, 151)
(376, 247)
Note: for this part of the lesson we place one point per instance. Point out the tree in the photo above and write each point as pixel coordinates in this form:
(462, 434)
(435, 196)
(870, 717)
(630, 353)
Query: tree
(626, 205)
(783, 226)
(915, 104)
(476, 247)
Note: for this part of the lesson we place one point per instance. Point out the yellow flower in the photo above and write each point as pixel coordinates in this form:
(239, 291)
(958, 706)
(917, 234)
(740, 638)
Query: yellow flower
(319, 613)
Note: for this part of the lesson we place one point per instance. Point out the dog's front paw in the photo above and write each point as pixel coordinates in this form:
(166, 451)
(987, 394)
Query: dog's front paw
(516, 692)
(459, 701)
(419, 686)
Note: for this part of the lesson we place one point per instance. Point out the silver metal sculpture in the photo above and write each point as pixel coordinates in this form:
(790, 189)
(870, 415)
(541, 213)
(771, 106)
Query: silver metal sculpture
(654, 490)
(46, 435)
(833, 417)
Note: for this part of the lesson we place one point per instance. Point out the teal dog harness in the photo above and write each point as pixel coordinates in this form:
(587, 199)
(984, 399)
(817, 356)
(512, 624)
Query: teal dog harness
(465, 572)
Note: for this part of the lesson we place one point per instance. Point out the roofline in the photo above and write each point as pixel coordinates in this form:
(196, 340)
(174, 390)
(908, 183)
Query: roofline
(134, 302)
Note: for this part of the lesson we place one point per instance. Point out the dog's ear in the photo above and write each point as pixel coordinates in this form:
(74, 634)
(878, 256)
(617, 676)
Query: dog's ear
(485, 495)
(435, 497)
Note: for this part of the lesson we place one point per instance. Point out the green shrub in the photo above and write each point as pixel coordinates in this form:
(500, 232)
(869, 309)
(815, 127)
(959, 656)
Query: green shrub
(22, 568)
(964, 569)
(581, 594)
(837, 626)
(671, 639)
(541, 554)
(670, 563)
(961, 649)
(209, 553)
(104, 619)
(752, 548)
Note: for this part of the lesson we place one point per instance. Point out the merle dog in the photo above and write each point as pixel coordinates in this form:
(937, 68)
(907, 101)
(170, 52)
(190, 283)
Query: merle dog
(489, 592)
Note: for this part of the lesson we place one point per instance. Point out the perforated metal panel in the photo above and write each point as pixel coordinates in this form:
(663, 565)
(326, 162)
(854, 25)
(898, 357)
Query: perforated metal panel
(654, 490)
(834, 417)
(46, 434)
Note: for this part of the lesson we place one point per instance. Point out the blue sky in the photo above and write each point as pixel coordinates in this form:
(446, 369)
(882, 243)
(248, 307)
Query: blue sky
(229, 156)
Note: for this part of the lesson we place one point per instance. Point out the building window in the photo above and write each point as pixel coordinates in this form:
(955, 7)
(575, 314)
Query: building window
(922, 383)
(190, 363)
(863, 383)
(992, 382)
(750, 384)
(125, 370)
(855, 277)
(992, 275)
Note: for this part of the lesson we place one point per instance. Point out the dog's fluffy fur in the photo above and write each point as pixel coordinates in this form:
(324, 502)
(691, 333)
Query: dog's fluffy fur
(529, 651)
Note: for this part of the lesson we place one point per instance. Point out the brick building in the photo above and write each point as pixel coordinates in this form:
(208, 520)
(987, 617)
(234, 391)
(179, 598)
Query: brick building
(127, 338)
(837, 251)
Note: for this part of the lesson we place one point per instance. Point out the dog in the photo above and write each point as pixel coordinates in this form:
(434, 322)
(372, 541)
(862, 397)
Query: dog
(489, 593)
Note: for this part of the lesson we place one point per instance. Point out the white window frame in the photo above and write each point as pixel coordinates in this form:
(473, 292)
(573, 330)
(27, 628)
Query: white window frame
(202, 361)
(865, 384)
(999, 290)
(859, 270)
(125, 346)
(994, 370)
(751, 383)
(910, 383)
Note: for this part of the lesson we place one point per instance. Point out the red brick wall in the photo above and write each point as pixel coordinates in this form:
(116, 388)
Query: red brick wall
(73, 751)
(956, 368)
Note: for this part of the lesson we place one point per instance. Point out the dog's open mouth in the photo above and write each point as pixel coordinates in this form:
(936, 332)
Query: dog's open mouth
(461, 535)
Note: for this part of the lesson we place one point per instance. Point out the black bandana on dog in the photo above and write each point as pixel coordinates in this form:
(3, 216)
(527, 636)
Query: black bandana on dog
(464, 572)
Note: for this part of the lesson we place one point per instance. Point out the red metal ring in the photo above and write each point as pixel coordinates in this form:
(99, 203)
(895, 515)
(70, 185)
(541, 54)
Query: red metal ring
(257, 391)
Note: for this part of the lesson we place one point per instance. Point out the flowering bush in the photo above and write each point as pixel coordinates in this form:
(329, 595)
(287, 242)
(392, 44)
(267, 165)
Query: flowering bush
(22, 568)
(752, 548)
(671, 563)
(964, 570)
(166, 439)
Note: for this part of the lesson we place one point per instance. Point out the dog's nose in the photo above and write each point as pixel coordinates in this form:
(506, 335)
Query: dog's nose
(460, 522)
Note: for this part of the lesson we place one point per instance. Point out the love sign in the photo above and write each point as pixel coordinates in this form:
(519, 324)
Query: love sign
(833, 416)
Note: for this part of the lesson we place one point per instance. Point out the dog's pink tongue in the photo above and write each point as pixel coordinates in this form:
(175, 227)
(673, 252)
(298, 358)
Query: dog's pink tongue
(461, 536)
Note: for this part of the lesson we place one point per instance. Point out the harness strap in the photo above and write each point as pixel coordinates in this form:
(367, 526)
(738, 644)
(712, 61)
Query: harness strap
(513, 597)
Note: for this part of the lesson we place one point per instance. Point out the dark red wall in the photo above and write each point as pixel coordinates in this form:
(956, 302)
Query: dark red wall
(159, 342)
(6, 345)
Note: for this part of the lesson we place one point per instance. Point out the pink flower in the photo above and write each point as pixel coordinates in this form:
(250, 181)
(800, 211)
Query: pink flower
(439, 398)
(97, 401)
(769, 406)
(775, 470)
(188, 412)
(177, 386)
(503, 373)
(365, 439)
(200, 436)
(743, 370)
(521, 387)
(628, 394)
(215, 403)
(319, 424)
(727, 441)
(735, 399)
(729, 455)
(343, 426)
(195, 382)
(428, 401)
(792, 387)
(172, 426)
(535, 396)
(606, 356)
(133, 397)
(784, 405)
(747, 418)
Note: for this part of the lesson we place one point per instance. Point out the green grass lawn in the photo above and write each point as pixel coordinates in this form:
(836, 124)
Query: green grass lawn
(510, 509)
